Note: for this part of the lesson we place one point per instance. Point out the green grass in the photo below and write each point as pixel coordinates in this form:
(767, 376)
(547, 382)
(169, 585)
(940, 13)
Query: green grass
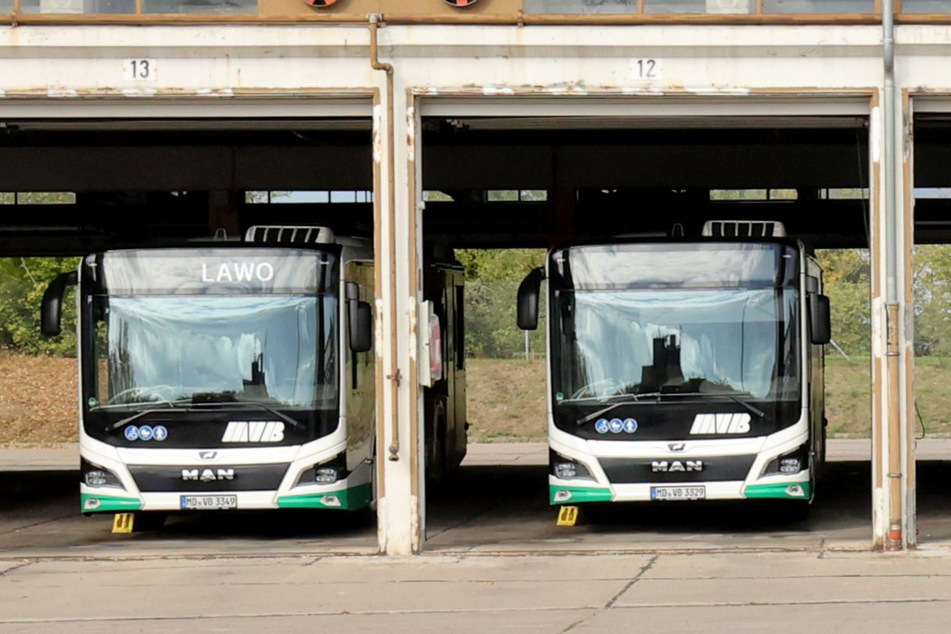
(848, 397)
(506, 398)
(933, 396)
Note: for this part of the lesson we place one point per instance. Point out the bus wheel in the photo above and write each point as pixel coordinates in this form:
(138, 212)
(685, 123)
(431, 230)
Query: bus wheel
(148, 521)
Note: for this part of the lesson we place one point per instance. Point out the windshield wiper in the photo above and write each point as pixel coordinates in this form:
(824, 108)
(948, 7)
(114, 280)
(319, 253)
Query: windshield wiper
(109, 406)
(752, 408)
(125, 421)
(738, 397)
(627, 397)
(151, 410)
(188, 404)
(250, 405)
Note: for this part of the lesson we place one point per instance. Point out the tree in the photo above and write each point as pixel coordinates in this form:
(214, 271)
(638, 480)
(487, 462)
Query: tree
(492, 279)
(22, 284)
(846, 278)
(931, 284)
(492, 265)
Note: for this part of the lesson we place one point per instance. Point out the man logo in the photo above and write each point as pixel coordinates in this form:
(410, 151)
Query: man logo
(254, 431)
(709, 424)
(207, 475)
(662, 466)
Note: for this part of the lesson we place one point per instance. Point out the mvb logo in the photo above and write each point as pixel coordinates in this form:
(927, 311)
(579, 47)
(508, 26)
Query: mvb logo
(254, 431)
(720, 424)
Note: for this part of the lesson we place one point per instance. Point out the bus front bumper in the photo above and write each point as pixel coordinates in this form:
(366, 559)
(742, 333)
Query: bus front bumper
(340, 497)
(563, 492)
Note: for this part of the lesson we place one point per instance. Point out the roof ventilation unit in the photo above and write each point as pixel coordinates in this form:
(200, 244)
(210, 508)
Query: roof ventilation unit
(743, 229)
(289, 234)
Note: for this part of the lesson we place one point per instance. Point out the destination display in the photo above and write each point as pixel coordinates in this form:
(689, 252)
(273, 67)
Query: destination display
(213, 271)
(687, 265)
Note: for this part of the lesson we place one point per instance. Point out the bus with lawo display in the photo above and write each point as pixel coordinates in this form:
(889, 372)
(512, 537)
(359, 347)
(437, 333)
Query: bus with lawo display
(241, 375)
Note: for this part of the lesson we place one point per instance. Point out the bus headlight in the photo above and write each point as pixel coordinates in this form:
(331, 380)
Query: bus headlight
(96, 476)
(565, 468)
(324, 473)
(789, 463)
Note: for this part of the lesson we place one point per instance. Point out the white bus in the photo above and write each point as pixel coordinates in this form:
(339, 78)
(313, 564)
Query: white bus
(684, 369)
(230, 376)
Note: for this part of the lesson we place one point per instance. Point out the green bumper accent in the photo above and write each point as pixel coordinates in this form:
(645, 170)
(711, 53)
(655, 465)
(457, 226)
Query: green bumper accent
(778, 491)
(352, 499)
(109, 504)
(579, 495)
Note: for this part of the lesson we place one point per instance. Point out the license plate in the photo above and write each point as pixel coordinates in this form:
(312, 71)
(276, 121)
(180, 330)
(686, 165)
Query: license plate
(209, 502)
(679, 493)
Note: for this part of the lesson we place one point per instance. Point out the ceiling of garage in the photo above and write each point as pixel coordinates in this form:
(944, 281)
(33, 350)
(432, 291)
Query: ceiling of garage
(151, 182)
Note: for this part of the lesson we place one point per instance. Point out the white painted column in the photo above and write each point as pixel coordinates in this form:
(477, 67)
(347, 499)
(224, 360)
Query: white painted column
(879, 369)
(399, 508)
(906, 198)
(893, 499)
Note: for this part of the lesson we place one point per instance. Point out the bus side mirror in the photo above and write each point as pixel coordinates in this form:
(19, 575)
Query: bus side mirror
(359, 320)
(51, 310)
(820, 319)
(528, 292)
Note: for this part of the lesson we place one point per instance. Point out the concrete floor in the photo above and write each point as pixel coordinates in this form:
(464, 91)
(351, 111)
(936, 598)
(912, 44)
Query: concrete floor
(38, 515)
(719, 593)
(492, 562)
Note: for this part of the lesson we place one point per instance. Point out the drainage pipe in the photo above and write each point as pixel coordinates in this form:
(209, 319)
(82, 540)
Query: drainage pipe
(394, 376)
(893, 540)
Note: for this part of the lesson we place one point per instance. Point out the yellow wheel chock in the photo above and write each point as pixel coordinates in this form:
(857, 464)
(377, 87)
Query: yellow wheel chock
(122, 523)
(568, 516)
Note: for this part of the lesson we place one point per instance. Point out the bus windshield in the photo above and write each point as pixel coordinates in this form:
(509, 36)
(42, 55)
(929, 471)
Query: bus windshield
(177, 327)
(689, 335)
(279, 350)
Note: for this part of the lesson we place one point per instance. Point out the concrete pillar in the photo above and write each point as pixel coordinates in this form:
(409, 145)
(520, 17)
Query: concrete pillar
(400, 514)
(893, 500)
(906, 198)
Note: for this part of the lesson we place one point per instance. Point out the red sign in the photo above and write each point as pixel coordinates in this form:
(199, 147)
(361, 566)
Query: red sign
(460, 3)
